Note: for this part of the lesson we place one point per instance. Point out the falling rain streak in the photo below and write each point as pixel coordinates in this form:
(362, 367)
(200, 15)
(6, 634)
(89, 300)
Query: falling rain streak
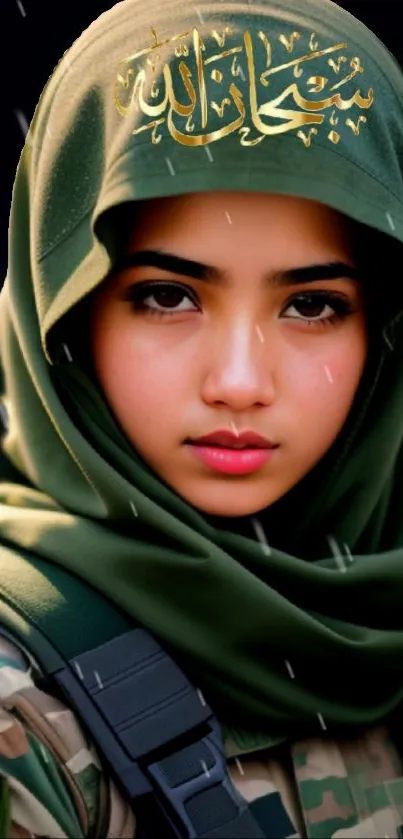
(387, 340)
(337, 553)
(201, 697)
(204, 767)
(390, 221)
(239, 765)
(68, 353)
(348, 552)
(22, 121)
(261, 536)
(98, 680)
(79, 671)
(322, 722)
(24, 124)
(290, 670)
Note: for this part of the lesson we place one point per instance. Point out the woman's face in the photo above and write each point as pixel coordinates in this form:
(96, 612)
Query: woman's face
(240, 314)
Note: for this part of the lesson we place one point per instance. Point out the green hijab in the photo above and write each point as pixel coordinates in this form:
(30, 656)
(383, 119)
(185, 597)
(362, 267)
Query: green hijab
(239, 616)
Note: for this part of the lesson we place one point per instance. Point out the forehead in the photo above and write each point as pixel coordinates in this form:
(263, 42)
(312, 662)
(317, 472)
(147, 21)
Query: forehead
(238, 220)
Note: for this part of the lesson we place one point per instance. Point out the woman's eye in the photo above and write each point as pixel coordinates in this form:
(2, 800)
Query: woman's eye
(163, 298)
(316, 307)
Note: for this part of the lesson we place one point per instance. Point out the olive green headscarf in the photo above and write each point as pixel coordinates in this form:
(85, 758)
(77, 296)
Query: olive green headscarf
(237, 614)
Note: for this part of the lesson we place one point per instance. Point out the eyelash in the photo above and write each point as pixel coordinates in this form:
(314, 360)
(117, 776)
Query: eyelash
(138, 293)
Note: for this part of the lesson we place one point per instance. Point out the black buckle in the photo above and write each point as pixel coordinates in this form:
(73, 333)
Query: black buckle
(196, 783)
(134, 699)
(157, 734)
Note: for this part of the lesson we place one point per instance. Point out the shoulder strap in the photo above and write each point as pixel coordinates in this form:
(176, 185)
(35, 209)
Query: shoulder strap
(154, 728)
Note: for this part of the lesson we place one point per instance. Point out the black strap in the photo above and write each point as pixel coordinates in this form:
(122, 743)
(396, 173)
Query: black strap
(160, 738)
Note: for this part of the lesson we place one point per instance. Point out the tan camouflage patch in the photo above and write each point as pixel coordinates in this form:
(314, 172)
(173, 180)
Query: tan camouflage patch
(122, 822)
(320, 759)
(31, 814)
(358, 782)
(59, 738)
(382, 824)
(13, 741)
(375, 755)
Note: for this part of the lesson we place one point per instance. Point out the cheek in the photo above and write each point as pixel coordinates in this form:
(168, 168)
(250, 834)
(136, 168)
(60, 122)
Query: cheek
(324, 384)
(139, 378)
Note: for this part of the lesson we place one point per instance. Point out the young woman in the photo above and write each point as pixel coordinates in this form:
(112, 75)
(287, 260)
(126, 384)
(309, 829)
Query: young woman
(201, 341)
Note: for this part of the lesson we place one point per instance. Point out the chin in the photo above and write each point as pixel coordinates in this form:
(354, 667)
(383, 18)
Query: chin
(230, 504)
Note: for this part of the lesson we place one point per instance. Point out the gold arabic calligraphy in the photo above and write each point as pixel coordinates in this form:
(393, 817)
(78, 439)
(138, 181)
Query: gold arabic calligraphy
(133, 91)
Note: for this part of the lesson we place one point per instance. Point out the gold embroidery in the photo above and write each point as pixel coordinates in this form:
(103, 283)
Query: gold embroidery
(288, 111)
(313, 45)
(356, 66)
(318, 82)
(183, 49)
(190, 124)
(355, 127)
(221, 38)
(244, 133)
(307, 138)
(335, 64)
(267, 46)
(309, 57)
(235, 68)
(288, 42)
(217, 75)
(152, 64)
(220, 108)
(154, 125)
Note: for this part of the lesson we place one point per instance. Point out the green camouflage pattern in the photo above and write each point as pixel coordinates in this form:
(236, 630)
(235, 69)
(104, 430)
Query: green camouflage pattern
(52, 783)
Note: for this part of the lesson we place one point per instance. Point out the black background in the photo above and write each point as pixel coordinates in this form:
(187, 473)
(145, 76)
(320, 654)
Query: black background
(35, 33)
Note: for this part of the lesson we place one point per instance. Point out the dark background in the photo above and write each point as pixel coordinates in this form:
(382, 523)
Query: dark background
(35, 33)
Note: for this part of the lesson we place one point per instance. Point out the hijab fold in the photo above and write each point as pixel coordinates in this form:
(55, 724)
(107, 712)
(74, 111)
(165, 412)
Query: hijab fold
(325, 596)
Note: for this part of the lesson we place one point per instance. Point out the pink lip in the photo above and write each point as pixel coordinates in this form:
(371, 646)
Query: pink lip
(232, 461)
(227, 439)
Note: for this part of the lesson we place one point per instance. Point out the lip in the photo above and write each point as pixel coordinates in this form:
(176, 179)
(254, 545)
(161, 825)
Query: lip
(217, 451)
(229, 440)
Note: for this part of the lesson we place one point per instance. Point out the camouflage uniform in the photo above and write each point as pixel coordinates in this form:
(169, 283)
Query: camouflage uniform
(53, 785)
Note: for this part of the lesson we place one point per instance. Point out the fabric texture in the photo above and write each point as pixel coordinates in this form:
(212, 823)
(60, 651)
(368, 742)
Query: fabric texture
(90, 149)
(55, 786)
(55, 782)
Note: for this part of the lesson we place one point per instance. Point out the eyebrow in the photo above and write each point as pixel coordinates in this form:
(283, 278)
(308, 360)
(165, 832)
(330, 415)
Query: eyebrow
(199, 271)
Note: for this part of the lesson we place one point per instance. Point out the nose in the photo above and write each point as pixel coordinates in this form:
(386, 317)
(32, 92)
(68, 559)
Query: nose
(239, 371)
